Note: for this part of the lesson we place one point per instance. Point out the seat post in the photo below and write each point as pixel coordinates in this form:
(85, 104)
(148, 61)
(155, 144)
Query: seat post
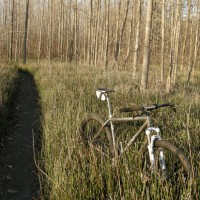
(112, 126)
(109, 107)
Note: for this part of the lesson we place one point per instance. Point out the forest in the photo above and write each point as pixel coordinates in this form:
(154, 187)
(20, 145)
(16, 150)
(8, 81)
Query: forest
(119, 34)
(148, 51)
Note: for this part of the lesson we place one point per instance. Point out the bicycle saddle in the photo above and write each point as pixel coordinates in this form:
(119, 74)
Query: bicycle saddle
(102, 93)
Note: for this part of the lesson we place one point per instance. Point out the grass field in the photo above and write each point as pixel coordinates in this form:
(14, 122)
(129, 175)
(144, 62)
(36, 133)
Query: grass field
(8, 77)
(68, 94)
(67, 170)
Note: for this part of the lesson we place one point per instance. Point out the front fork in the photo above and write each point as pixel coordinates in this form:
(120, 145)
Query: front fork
(151, 140)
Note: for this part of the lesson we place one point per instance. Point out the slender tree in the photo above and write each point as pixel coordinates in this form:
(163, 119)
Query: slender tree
(117, 42)
(177, 39)
(163, 41)
(174, 47)
(26, 31)
(107, 5)
(146, 54)
(40, 32)
(90, 34)
(131, 28)
(75, 30)
(97, 32)
(172, 41)
(137, 37)
(186, 34)
(12, 31)
(194, 51)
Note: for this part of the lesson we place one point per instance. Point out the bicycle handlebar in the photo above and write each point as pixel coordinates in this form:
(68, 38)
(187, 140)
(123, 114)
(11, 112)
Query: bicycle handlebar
(148, 108)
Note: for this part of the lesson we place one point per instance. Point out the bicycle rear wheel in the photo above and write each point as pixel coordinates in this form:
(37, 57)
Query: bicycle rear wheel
(178, 169)
(95, 135)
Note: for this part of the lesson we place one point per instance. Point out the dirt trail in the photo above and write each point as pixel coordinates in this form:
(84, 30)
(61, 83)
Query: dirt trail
(18, 174)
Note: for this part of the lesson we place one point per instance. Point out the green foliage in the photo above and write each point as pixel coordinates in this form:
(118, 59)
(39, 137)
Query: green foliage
(67, 94)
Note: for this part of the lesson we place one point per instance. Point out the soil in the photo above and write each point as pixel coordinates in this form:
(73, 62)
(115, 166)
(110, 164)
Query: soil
(18, 173)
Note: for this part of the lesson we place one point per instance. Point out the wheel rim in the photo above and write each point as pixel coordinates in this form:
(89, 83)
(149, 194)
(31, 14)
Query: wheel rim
(175, 172)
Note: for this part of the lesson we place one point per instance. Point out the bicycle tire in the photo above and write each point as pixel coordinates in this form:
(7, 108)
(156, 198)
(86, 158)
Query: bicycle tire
(178, 169)
(90, 126)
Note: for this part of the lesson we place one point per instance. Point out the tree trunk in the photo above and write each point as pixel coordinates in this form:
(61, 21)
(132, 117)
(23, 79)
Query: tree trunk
(12, 31)
(146, 56)
(130, 37)
(117, 45)
(40, 33)
(49, 32)
(137, 38)
(177, 38)
(163, 41)
(97, 32)
(120, 33)
(196, 48)
(123, 28)
(90, 34)
(17, 32)
(186, 35)
(25, 32)
(75, 32)
(69, 35)
(107, 31)
(172, 36)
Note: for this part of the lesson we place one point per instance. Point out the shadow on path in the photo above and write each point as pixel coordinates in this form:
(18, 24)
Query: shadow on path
(18, 174)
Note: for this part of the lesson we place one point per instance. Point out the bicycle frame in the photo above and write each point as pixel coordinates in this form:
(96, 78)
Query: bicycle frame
(112, 119)
(146, 125)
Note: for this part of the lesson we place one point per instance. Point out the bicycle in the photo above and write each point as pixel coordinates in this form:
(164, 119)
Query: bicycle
(100, 136)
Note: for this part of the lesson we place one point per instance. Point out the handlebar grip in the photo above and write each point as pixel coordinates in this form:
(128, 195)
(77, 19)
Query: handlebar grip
(171, 105)
(166, 105)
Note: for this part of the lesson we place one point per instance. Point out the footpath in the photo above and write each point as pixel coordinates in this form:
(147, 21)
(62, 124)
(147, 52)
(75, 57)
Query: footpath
(18, 174)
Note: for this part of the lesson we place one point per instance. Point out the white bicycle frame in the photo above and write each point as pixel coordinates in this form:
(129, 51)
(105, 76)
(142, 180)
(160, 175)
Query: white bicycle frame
(152, 133)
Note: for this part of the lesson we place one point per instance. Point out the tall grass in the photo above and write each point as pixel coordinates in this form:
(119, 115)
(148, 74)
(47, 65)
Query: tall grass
(8, 77)
(70, 172)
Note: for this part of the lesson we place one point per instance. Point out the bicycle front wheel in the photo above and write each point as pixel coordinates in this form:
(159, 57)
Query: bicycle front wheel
(178, 169)
(95, 135)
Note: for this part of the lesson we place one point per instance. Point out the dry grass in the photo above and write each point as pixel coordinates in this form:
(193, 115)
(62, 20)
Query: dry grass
(8, 77)
(67, 94)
